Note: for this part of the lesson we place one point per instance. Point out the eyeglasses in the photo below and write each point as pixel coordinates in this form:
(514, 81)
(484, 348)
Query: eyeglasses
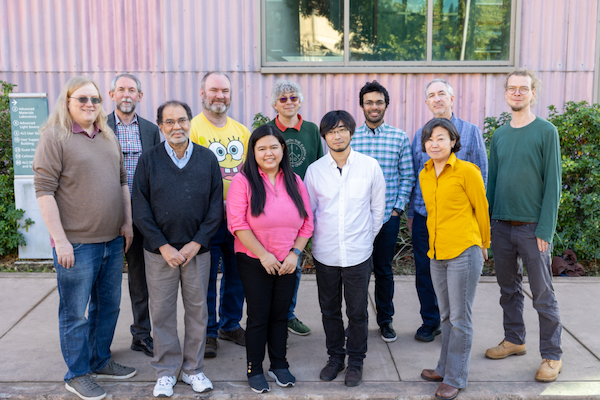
(284, 100)
(84, 100)
(181, 121)
(370, 103)
(338, 131)
(513, 89)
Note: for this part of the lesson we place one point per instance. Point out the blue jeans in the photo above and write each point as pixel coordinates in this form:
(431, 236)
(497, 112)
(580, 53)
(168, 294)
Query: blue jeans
(383, 254)
(455, 281)
(291, 315)
(231, 292)
(95, 279)
(429, 305)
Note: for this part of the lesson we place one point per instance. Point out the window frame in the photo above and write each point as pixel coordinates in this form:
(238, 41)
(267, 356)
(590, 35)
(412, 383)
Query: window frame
(426, 66)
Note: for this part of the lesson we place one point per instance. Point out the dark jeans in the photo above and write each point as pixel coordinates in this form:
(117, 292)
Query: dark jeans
(231, 292)
(268, 298)
(429, 305)
(356, 284)
(138, 289)
(383, 254)
(508, 243)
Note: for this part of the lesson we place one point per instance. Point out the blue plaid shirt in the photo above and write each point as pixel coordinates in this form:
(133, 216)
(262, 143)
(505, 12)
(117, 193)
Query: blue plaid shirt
(391, 148)
(472, 150)
(131, 146)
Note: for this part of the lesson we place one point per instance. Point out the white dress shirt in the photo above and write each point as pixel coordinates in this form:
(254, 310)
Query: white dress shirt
(348, 208)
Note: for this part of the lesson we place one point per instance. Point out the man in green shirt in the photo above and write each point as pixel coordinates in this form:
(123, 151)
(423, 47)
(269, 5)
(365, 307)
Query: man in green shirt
(524, 193)
(305, 146)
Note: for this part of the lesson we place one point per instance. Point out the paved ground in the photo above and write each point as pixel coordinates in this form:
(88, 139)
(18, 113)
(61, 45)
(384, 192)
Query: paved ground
(31, 364)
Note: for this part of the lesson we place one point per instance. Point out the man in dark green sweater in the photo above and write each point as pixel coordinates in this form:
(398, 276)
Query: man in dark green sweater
(304, 143)
(524, 193)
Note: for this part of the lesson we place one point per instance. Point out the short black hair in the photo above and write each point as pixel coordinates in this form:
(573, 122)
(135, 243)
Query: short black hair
(332, 119)
(374, 87)
(443, 123)
(171, 103)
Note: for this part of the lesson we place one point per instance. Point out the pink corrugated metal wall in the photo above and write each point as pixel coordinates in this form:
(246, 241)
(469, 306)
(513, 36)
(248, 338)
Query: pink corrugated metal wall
(170, 44)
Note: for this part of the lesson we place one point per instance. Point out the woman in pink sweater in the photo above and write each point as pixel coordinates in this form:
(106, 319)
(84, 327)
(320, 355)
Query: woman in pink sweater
(268, 212)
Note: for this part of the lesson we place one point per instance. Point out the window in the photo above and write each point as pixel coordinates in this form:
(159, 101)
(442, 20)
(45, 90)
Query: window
(355, 33)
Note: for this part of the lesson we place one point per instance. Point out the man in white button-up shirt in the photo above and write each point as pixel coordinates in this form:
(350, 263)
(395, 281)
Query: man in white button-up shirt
(347, 197)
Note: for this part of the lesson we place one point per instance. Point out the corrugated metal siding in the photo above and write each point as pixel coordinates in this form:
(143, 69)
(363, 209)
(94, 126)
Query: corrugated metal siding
(171, 44)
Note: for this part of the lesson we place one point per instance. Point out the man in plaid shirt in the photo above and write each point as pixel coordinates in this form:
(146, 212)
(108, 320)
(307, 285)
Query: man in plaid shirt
(135, 135)
(391, 148)
(439, 97)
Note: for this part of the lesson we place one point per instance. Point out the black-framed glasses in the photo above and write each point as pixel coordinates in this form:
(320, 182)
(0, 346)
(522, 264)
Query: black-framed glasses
(522, 90)
(340, 130)
(171, 123)
(84, 100)
(293, 99)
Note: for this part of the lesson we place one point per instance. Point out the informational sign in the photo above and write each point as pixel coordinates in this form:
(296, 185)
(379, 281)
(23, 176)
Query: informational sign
(28, 111)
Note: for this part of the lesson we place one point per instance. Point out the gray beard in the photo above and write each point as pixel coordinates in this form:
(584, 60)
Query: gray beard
(125, 111)
(214, 109)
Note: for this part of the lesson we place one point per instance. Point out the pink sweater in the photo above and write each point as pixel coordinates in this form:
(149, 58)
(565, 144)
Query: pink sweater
(280, 224)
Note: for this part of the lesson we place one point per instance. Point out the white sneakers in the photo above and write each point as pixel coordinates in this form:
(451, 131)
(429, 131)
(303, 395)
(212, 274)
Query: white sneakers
(164, 386)
(199, 382)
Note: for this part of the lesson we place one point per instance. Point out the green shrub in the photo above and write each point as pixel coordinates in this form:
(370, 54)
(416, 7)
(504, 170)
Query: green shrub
(259, 120)
(10, 237)
(579, 213)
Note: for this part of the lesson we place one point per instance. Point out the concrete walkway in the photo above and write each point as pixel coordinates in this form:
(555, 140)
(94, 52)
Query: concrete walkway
(31, 364)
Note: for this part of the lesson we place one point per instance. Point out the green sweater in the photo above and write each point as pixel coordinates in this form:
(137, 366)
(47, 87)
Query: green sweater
(525, 176)
(304, 145)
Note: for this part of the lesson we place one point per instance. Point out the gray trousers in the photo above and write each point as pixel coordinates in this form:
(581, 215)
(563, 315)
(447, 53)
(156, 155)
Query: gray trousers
(455, 282)
(163, 284)
(508, 243)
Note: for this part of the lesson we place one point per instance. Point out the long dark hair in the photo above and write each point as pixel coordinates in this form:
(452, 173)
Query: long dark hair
(250, 171)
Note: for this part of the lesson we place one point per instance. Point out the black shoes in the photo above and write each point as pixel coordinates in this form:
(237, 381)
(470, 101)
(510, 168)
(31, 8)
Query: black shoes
(210, 350)
(331, 370)
(237, 336)
(353, 375)
(427, 333)
(388, 334)
(146, 345)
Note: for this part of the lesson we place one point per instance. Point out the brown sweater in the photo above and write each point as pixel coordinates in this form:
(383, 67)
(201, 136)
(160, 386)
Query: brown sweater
(85, 177)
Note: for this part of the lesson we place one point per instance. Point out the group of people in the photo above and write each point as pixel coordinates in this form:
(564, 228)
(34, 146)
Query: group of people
(214, 196)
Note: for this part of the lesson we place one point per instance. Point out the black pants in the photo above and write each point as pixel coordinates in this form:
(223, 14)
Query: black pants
(268, 298)
(138, 289)
(356, 284)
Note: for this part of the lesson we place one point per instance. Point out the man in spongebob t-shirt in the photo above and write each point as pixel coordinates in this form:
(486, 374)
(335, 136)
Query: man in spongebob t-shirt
(228, 140)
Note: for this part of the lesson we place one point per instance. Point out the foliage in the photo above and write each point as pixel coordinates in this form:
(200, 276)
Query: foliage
(259, 120)
(10, 237)
(579, 213)
(490, 125)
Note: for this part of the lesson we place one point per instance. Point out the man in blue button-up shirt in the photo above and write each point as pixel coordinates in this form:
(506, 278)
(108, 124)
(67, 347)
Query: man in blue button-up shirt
(439, 97)
(391, 148)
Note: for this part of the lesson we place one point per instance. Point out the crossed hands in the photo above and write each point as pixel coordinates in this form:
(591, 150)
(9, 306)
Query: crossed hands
(274, 267)
(176, 258)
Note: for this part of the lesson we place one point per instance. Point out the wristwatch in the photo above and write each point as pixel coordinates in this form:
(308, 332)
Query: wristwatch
(295, 250)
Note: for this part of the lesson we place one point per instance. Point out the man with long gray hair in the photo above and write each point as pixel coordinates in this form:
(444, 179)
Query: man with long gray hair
(439, 97)
(304, 143)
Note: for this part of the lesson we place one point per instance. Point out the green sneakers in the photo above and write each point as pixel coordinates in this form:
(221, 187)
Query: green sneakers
(297, 327)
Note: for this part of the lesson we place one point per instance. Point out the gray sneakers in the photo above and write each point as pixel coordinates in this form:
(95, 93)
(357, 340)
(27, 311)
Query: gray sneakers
(86, 388)
(113, 370)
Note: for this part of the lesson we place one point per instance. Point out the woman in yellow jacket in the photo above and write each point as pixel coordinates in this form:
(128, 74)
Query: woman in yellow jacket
(459, 235)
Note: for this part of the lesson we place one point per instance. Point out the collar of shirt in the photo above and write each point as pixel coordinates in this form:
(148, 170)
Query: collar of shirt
(333, 164)
(283, 128)
(451, 161)
(119, 122)
(377, 130)
(78, 129)
(186, 156)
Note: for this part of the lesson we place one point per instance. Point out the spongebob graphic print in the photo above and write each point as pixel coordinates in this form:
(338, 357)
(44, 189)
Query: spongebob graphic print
(229, 144)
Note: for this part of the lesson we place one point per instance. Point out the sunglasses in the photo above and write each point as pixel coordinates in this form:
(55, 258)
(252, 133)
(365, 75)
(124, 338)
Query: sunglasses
(84, 100)
(284, 100)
